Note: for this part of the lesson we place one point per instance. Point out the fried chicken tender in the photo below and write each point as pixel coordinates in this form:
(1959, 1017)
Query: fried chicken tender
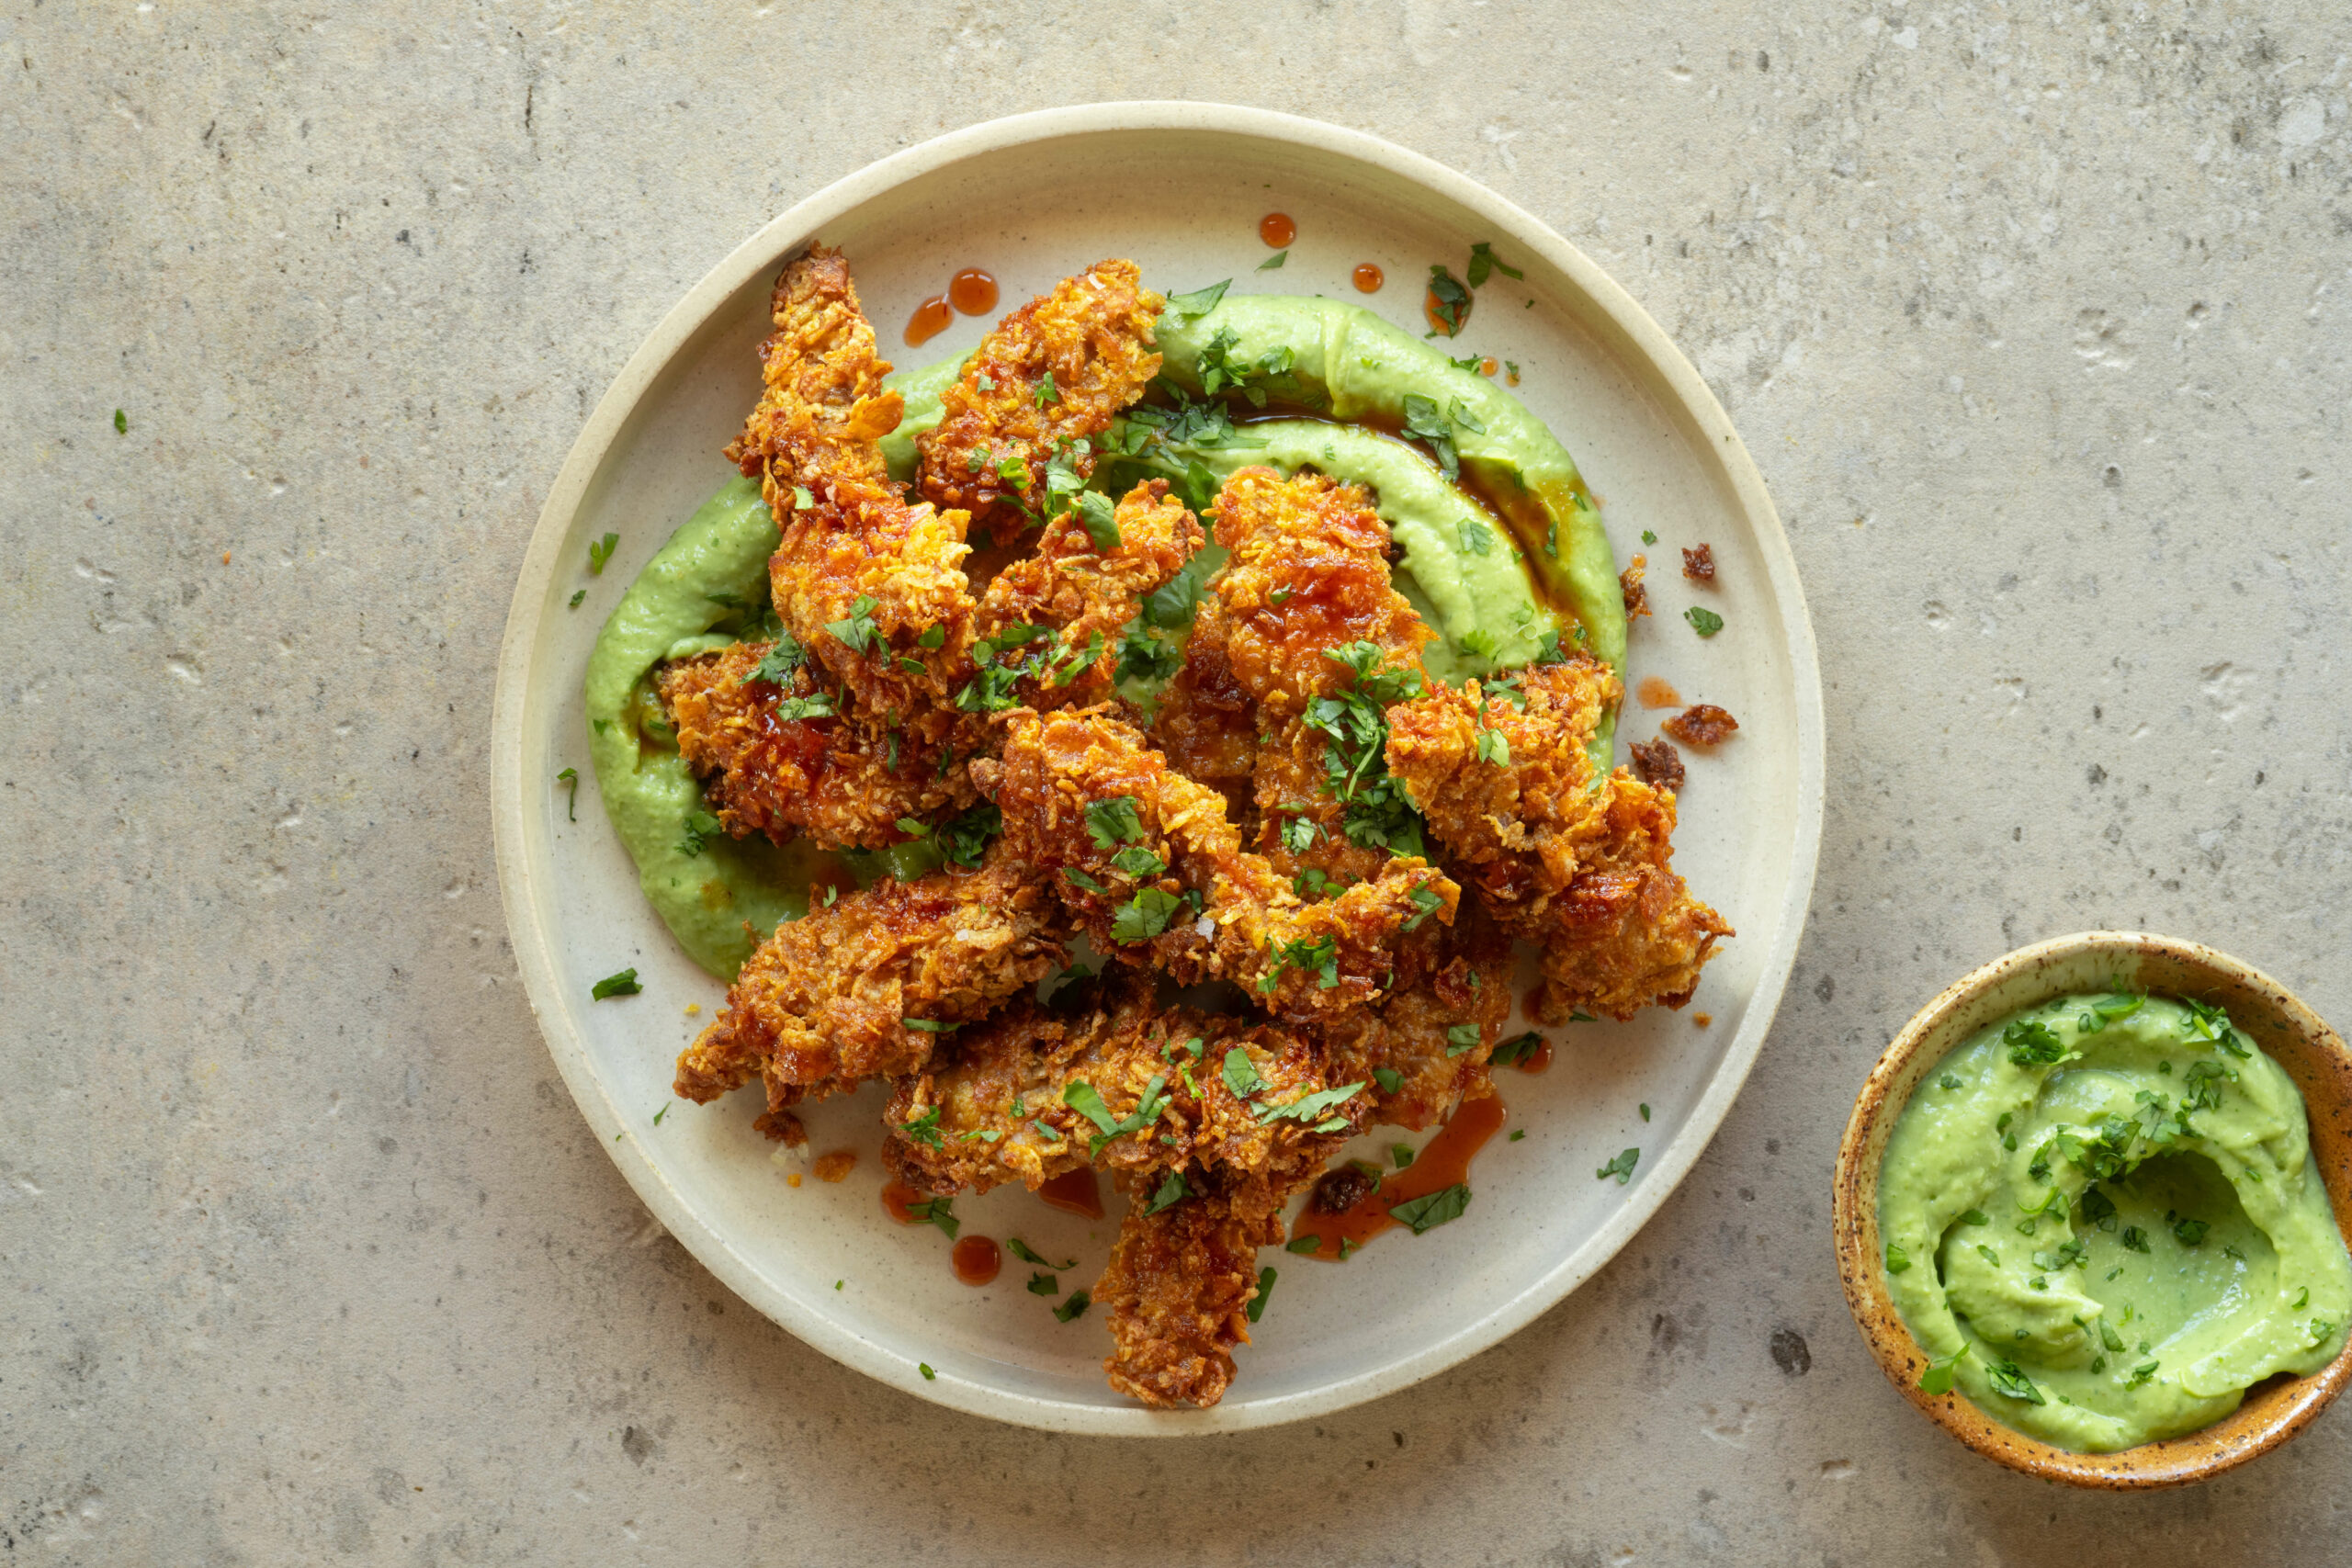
(1460, 975)
(823, 407)
(1626, 932)
(1581, 867)
(1001, 425)
(1206, 723)
(1177, 1289)
(1002, 1111)
(1082, 791)
(1302, 826)
(861, 577)
(820, 1006)
(1308, 574)
(815, 776)
(1087, 593)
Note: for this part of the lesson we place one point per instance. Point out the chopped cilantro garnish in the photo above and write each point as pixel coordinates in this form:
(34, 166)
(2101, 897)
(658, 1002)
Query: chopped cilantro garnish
(1078, 878)
(1199, 302)
(1241, 1074)
(1423, 420)
(1461, 1039)
(964, 838)
(2031, 1043)
(1028, 1253)
(700, 827)
(1257, 1308)
(928, 1375)
(621, 984)
(1389, 1079)
(1074, 1305)
(1274, 263)
(801, 499)
(2006, 1378)
(1304, 1245)
(1401, 1155)
(1145, 916)
(857, 631)
(1705, 622)
(1452, 301)
(122, 423)
(1172, 1192)
(930, 1025)
(1096, 515)
(1308, 1108)
(1045, 1285)
(1113, 821)
(1622, 1167)
(1517, 1049)
(1426, 900)
(1936, 1377)
(924, 1129)
(781, 660)
(1425, 1214)
(1483, 261)
(939, 1211)
(578, 595)
(571, 807)
(1144, 655)
(1084, 1099)
(1319, 957)
(1897, 1260)
(1649, 537)
(599, 552)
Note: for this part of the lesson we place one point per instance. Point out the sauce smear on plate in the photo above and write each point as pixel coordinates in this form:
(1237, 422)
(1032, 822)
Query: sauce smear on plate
(1075, 1193)
(931, 318)
(1443, 1162)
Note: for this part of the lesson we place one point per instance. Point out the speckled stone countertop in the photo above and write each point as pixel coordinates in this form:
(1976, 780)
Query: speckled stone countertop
(2033, 318)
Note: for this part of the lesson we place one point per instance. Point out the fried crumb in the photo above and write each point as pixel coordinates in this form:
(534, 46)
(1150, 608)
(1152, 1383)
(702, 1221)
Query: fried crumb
(1657, 764)
(792, 1178)
(1629, 583)
(1702, 1019)
(692, 1007)
(1702, 725)
(836, 1166)
(1698, 565)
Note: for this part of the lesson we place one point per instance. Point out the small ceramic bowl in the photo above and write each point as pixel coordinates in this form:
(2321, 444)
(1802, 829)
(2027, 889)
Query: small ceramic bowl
(2313, 1054)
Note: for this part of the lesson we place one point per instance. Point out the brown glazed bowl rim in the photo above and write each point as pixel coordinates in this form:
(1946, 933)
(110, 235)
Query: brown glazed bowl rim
(2312, 1054)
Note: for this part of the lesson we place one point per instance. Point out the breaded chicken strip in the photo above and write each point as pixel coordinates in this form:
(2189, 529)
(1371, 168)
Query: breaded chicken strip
(1460, 975)
(1086, 588)
(1626, 933)
(821, 1005)
(1206, 724)
(1176, 1289)
(1302, 826)
(1156, 876)
(871, 585)
(1581, 868)
(1308, 574)
(1020, 1098)
(778, 759)
(1050, 376)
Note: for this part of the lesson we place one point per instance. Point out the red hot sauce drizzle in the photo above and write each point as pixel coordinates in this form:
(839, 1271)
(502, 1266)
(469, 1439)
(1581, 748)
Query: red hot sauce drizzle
(931, 318)
(1443, 1162)
(972, 291)
(977, 1259)
(1075, 1193)
(1277, 230)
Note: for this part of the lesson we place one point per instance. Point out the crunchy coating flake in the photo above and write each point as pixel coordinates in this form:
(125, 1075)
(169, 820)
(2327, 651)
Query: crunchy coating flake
(819, 1007)
(1004, 1115)
(1207, 723)
(1001, 425)
(836, 782)
(1702, 725)
(1309, 573)
(1246, 926)
(1658, 763)
(1464, 976)
(1087, 593)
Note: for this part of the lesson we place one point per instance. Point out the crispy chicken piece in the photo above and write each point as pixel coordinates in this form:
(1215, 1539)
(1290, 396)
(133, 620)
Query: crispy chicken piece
(1309, 573)
(814, 774)
(1161, 879)
(1302, 827)
(1176, 1289)
(820, 1006)
(1087, 593)
(1626, 932)
(1461, 975)
(1581, 867)
(1001, 425)
(1206, 724)
(823, 406)
(1000, 1110)
(1529, 789)
(872, 585)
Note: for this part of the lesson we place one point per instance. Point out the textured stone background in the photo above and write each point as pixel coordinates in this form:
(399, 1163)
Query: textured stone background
(2033, 317)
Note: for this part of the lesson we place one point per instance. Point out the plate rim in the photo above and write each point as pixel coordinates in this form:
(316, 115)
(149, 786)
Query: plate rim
(1641, 339)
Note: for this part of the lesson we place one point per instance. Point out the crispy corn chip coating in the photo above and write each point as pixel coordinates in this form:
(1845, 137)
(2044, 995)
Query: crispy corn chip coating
(788, 776)
(1176, 1293)
(1156, 875)
(1206, 723)
(822, 1006)
(1052, 375)
(822, 408)
(1462, 976)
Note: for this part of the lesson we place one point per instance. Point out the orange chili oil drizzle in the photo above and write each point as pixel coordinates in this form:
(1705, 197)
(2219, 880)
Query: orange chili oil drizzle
(932, 317)
(972, 291)
(1075, 1193)
(1443, 1162)
(977, 1259)
(1536, 1060)
(1658, 691)
(1368, 279)
(1277, 230)
(895, 1199)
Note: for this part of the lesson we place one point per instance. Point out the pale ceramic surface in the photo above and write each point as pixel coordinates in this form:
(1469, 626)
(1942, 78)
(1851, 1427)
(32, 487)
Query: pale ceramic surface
(2274, 1019)
(310, 1257)
(1178, 188)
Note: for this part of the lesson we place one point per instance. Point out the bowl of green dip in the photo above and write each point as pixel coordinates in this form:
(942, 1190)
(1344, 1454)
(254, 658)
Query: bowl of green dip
(2090, 1210)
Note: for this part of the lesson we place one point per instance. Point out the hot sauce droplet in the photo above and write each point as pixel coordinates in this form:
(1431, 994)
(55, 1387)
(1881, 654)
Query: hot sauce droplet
(1075, 1193)
(1488, 367)
(1443, 1162)
(1538, 1059)
(977, 1259)
(895, 1199)
(930, 318)
(1656, 692)
(836, 1166)
(1277, 230)
(1368, 279)
(1438, 324)
(972, 291)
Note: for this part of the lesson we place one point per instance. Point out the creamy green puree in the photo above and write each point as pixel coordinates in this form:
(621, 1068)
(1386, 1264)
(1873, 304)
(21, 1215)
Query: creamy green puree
(1505, 560)
(2102, 1222)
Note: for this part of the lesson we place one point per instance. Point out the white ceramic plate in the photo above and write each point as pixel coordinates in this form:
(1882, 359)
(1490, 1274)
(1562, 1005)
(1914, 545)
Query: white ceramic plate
(1179, 188)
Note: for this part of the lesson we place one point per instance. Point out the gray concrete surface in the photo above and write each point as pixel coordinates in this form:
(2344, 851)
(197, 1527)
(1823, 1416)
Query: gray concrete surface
(2033, 317)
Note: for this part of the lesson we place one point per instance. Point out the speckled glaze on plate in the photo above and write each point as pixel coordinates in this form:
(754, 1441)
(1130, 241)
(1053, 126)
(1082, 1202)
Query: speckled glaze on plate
(1179, 188)
(2313, 1054)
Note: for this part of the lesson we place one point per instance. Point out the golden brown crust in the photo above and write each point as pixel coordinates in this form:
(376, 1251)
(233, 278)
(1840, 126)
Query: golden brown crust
(1176, 1293)
(1225, 912)
(822, 408)
(819, 776)
(1207, 724)
(819, 1007)
(1309, 573)
(1464, 977)
(996, 434)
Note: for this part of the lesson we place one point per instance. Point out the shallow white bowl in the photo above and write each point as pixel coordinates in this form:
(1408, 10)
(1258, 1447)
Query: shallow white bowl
(1179, 188)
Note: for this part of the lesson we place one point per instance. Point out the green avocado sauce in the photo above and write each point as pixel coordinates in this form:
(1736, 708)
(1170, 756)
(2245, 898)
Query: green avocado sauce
(2103, 1223)
(1495, 563)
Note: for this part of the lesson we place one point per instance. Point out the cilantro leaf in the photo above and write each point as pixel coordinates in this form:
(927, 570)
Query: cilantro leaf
(1241, 1074)
(857, 631)
(924, 1129)
(700, 827)
(1425, 1214)
(1936, 1377)
(1452, 306)
(1257, 1308)
(1028, 1253)
(621, 984)
(570, 807)
(1078, 878)
(1145, 916)
(1897, 1260)
(1074, 1305)
(1136, 861)
(1622, 1167)
(1172, 1192)
(1144, 655)
(1703, 621)
(1199, 302)
(1427, 900)
(1483, 261)
(1517, 1049)
(1274, 263)
(1095, 514)
(2006, 1378)
(1423, 420)
(782, 657)
(1045, 1285)
(599, 552)
(1308, 1108)
(1461, 1039)
(939, 1211)
(930, 1025)
(964, 838)
(1113, 821)
(2032, 1043)
(1389, 1079)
